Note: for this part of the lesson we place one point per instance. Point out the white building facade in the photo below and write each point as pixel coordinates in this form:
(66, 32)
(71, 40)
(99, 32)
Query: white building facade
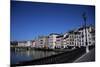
(25, 43)
(52, 40)
(74, 38)
(42, 42)
(59, 41)
(90, 31)
(77, 38)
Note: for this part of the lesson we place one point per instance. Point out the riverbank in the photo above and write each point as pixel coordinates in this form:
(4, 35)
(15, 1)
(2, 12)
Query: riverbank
(47, 49)
(56, 50)
(65, 57)
(41, 49)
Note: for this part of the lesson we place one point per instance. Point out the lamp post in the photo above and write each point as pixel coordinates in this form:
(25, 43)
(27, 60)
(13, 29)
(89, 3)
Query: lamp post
(85, 18)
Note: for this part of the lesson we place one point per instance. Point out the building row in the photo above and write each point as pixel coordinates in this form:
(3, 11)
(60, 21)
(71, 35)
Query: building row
(73, 38)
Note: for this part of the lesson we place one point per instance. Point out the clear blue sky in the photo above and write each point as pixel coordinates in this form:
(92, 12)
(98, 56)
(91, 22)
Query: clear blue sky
(30, 19)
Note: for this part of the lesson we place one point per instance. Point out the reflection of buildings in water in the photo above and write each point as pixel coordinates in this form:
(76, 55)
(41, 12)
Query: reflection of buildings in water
(28, 53)
(21, 52)
(34, 54)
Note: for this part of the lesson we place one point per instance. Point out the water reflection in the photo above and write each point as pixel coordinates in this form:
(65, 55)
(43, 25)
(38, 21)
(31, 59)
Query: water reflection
(25, 55)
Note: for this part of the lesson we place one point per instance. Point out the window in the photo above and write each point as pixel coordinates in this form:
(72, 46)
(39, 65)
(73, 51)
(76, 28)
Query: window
(72, 36)
(77, 36)
(89, 38)
(41, 42)
(82, 43)
(82, 36)
(89, 42)
(58, 40)
(72, 43)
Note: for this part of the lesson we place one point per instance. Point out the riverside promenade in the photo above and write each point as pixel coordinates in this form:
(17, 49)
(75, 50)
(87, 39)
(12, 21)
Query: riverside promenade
(87, 57)
(65, 57)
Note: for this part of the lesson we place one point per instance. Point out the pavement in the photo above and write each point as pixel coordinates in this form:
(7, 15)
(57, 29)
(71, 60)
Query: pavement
(87, 57)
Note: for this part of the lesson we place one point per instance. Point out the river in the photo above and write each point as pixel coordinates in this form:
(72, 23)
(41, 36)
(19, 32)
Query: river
(26, 55)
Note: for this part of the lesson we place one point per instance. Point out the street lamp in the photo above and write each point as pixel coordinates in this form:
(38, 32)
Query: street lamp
(85, 18)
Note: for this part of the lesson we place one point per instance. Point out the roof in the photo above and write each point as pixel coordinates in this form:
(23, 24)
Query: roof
(66, 36)
(59, 36)
(76, 32)
(22, 41)
(70, 32)
(43, 36)
(81, 28)
(54, 34)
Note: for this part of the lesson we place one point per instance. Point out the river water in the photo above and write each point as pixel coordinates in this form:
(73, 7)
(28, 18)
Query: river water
(26, 55)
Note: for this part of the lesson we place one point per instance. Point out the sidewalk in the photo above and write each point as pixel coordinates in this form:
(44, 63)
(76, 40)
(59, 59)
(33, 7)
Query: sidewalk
(87, 57)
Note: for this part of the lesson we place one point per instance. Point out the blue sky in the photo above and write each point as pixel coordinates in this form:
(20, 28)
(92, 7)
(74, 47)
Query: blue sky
(30, 19)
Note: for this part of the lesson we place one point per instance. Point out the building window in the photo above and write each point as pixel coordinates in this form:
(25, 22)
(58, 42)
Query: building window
(89, 38)
(77, 36)
(82, 36)
(89, 42)
(82, 43)
(72, 43)
(41, 40)
(58, 40)
(72, 36)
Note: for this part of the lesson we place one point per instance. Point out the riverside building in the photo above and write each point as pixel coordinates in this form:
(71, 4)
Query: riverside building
(52, 40)
(42, 42)
(77, 37)
(25, 43)
(59, 41)
(73, 38)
